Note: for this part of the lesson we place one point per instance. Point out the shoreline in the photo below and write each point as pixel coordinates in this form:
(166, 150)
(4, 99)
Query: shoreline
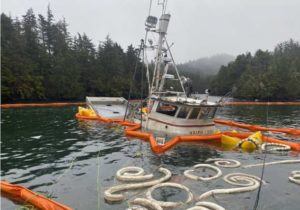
(61, 104)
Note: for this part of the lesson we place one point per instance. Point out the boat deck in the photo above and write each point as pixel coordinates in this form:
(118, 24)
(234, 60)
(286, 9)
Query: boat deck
(109, 107)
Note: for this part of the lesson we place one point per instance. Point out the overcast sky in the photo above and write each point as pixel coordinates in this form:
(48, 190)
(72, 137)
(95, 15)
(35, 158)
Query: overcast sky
(198, 28)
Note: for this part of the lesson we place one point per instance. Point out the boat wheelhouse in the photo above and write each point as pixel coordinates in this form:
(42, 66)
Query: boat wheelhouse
(182, 116)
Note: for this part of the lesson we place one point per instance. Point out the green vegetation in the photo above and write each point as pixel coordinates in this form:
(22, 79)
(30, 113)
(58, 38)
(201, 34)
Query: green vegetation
(265, 75)
(41, 61)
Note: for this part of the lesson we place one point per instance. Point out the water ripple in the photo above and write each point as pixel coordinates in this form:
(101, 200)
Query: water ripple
(48, 150)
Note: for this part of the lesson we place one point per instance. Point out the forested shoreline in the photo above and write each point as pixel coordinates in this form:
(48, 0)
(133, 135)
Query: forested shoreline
(41, 61)
(265, 75)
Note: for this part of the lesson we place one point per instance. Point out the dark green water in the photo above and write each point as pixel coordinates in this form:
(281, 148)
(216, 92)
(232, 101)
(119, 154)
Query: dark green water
(49, 151)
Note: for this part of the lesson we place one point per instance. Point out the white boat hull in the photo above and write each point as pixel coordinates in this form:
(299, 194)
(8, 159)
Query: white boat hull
(179, 127)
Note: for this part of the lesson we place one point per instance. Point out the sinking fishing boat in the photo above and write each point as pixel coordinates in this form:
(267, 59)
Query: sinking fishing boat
(167, 109)
(170, 109)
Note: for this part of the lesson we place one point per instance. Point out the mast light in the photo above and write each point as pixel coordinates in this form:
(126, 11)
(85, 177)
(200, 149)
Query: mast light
(151, 21)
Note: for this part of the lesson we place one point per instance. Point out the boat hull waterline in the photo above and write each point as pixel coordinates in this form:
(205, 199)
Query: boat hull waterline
(134, 130)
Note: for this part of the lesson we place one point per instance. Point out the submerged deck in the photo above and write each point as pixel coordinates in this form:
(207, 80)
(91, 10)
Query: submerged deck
(109, 107)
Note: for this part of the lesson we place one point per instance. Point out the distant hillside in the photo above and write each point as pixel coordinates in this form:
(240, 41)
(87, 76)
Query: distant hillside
(207, 65)
(202, 70)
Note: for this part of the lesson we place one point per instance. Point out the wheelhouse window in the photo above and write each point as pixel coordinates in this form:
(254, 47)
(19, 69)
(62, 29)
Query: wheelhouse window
(183, 112)
(194, 114)
(167, 109)
(207, 112)
(212, 112)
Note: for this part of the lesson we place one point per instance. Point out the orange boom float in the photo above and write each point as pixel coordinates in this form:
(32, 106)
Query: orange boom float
(133, 130)
(22, 194)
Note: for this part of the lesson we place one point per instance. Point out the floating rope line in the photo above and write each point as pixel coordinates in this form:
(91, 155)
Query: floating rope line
(272, 163)
(126, 174)
(225, 163)
(197, 178)
(275, 147)
(295, 177)
(169, 204)
(246, 182)
(145, 203)
(204, 205)
(108, 194)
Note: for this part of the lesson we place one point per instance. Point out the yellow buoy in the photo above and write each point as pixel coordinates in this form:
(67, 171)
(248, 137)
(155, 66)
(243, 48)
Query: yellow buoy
(86, 112)
(252, 142)
(229, 142)
(248, 144)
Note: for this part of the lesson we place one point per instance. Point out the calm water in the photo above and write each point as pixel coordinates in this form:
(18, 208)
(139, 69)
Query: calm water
(49, 151)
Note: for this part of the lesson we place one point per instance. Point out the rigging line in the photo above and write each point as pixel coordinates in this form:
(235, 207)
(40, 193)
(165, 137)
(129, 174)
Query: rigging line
(155, 66)
(150, 6)
(263, 167)
(162, 3)
(142, 79)
(98, 179)
(147, 72)
(165, 6)
(175, 67)
(131, 82)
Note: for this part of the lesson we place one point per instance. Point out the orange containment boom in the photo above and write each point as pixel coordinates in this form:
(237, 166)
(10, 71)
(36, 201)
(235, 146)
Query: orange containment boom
(295, 103)
(17, 192)
(290, 131)
(133, 130)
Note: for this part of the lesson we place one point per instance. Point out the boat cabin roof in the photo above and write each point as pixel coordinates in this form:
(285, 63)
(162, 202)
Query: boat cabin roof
(179, 100)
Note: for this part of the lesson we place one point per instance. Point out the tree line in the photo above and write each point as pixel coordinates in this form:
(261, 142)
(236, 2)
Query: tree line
(265, 75)
(40, 60)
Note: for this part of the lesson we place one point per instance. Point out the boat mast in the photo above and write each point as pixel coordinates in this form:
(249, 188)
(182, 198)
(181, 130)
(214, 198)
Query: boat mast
(161, 61)
(162, 31)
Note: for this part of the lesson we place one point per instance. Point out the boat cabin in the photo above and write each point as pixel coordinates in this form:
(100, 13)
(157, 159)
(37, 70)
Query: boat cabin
(185, 111)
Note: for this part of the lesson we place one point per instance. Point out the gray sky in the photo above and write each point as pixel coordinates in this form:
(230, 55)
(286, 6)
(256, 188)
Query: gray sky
(198, 28)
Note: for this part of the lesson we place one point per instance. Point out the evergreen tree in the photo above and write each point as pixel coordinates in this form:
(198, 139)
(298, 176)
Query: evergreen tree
(266, 75)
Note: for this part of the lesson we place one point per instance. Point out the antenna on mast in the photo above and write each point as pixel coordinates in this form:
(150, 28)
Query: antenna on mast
(163, 3)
